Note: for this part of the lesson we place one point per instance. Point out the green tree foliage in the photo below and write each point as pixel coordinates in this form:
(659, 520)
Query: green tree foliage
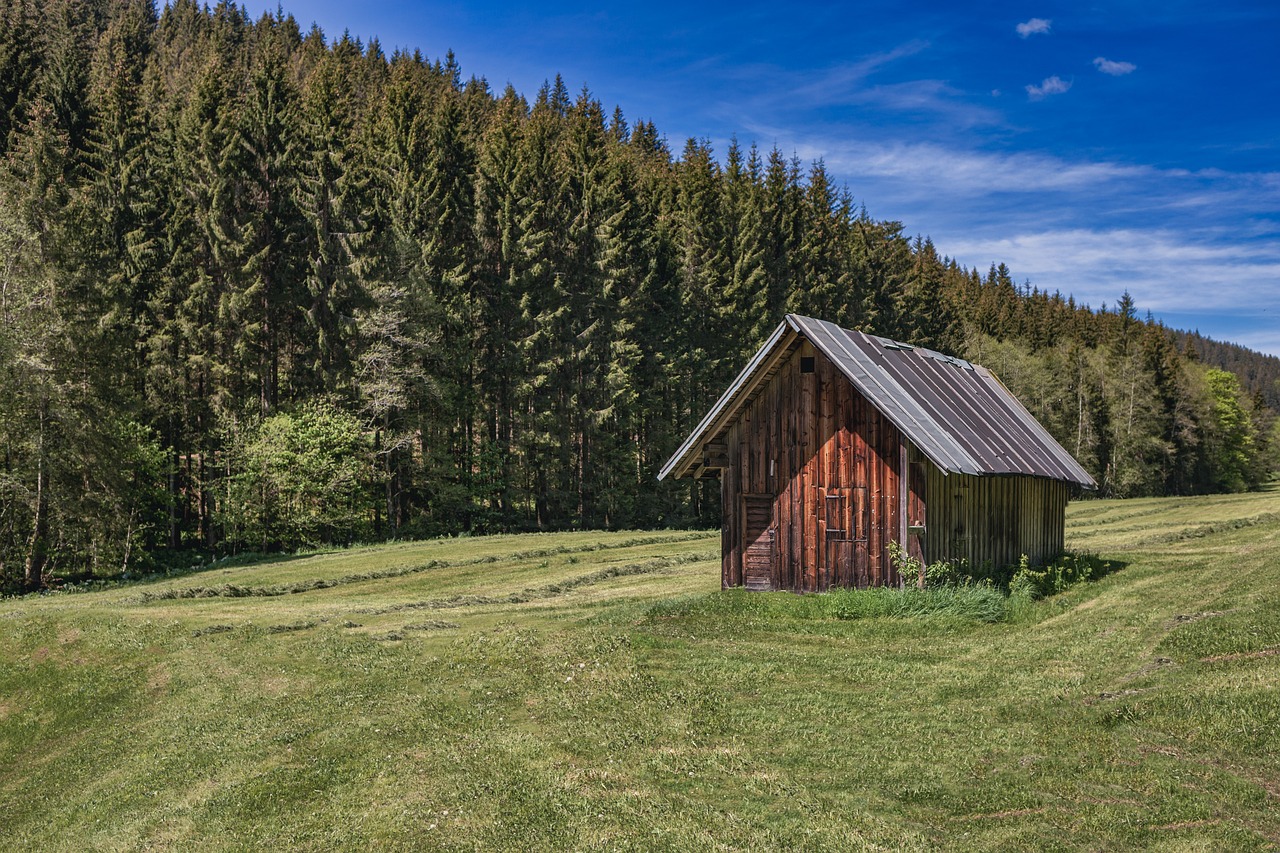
(515, 310)
(297, 479)
(1233, 446)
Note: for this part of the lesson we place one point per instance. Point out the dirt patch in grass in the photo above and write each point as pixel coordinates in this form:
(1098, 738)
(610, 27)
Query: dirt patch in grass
(159, 678)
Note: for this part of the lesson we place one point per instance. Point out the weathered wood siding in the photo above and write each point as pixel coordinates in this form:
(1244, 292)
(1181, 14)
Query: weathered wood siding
(832, 466)
(994, 519)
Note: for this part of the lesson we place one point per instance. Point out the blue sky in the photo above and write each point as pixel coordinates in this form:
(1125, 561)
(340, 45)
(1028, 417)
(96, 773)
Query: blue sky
(1093, 148)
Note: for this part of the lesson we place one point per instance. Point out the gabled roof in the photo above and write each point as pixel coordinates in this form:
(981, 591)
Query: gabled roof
(957, 413)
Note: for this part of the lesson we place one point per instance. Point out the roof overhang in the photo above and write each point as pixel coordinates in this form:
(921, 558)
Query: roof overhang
(694, 457)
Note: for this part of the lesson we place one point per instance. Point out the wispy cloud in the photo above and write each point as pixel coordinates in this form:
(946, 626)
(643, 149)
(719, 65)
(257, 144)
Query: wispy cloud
(778, 97)
(1264, 340)
(1115, 69)
(1033, 26)
(1166, 270)
(842, 77)
(934, 167)
(1054, 85)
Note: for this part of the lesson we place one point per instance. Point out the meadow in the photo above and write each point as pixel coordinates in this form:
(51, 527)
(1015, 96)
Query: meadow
(598, 691)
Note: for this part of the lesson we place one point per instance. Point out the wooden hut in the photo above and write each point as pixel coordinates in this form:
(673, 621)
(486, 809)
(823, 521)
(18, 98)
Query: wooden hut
(831, 444)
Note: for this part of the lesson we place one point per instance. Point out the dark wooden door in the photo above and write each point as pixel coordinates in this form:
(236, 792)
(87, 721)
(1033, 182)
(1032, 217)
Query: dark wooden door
(860, 513)
(915, 513)
(757, 545)
(846, 560)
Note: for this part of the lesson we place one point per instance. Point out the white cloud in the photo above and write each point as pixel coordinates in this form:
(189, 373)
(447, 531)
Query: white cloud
(1054, 85)
(1115, 69)
(1267, 340)
(1166, 270)
(1033, 26)
(933, 168)
(924, 183)
(781, 93)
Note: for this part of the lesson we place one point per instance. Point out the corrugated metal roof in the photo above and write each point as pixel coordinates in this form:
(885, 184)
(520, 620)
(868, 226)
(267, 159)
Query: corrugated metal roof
(957, 413)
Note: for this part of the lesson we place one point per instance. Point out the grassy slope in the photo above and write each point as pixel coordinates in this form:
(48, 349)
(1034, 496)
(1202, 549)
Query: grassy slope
(537, 697)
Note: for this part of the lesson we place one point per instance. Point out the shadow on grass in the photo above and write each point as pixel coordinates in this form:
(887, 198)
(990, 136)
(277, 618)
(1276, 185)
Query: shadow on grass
(175, 566)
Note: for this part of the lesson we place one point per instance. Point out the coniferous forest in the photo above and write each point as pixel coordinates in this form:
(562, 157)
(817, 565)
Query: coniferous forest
(262, 289)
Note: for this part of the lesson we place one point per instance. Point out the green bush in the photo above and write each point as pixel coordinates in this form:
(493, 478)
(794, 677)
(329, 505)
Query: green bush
(1057, 576)
(298, 480)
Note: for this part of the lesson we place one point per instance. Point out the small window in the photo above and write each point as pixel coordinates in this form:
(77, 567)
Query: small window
(806, 364)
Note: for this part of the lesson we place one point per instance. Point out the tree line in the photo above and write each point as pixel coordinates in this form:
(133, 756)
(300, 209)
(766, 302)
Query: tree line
(263, 289)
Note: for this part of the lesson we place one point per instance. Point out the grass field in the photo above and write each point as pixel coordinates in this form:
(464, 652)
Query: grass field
(597, 690)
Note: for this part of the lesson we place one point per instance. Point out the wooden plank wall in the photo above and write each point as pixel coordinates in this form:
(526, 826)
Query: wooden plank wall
(994, 519)
(831, 462)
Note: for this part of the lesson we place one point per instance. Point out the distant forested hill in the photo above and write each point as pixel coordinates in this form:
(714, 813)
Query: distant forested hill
(1259, 373)
(261, 289)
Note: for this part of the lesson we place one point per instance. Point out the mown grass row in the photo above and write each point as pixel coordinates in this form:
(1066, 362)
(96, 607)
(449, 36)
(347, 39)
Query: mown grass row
(231, 590)
(1202, 530)
(526, 595)
(546, 591)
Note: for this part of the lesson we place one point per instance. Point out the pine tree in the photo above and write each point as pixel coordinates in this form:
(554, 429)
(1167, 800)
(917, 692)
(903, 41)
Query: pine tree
(260, 313)
(747, 291)
(334, 191)
(547, 347)
(928, 316)
(783, 197)
(447, 244)
(497, 276)
(824, 289)
(19, 66)
(118, 207)
(400, 328)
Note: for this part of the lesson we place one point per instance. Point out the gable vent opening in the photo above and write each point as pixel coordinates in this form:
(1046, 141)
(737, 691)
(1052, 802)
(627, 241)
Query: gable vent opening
(806, 364)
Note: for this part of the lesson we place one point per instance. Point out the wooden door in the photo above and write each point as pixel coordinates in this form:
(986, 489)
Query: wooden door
(846, 562)
(915, 513)
(757, 544)
(837, 551)
(860, 511)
